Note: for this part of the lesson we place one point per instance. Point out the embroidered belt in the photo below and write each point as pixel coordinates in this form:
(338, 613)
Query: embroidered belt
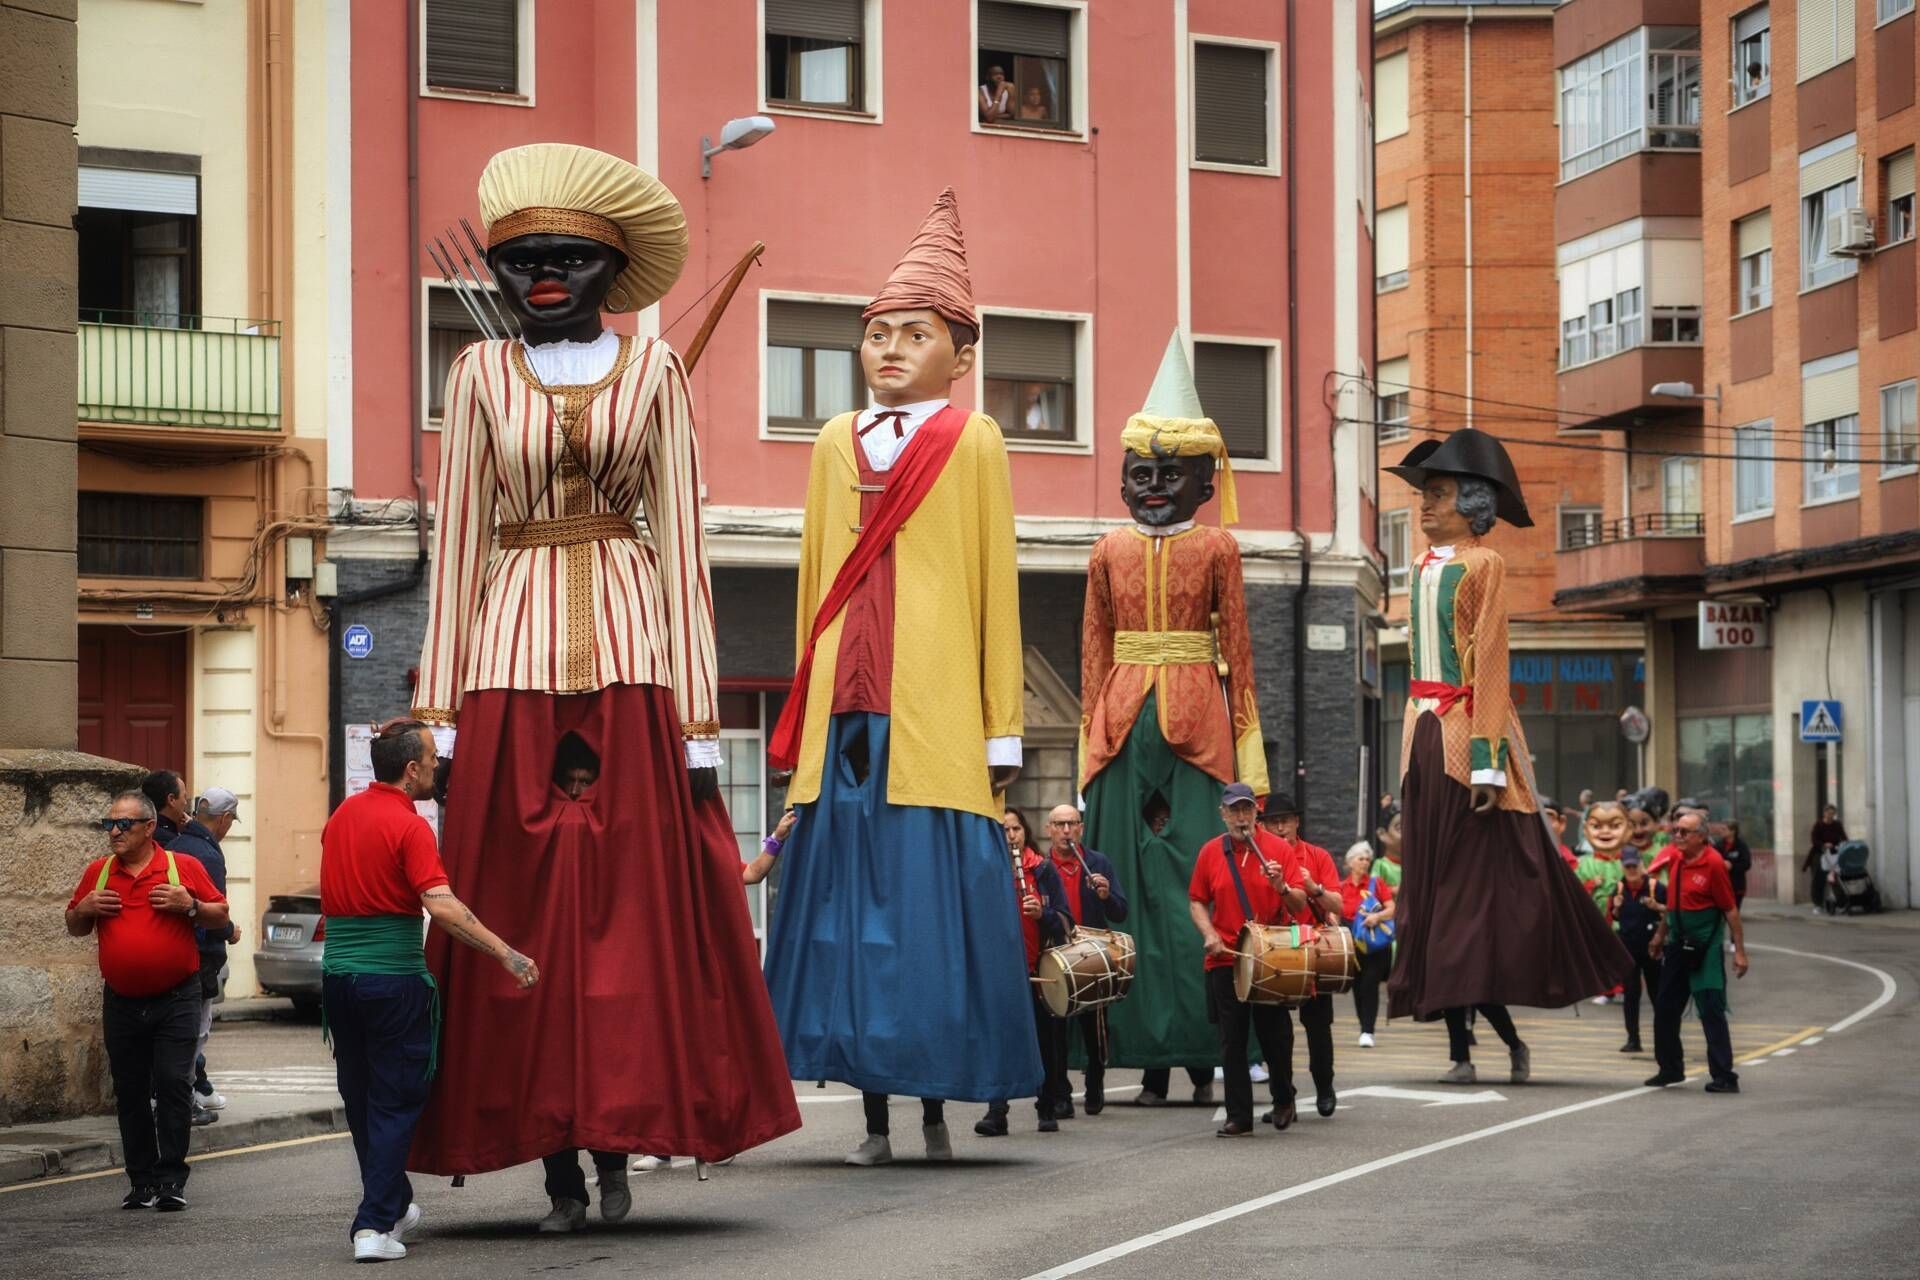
(1162, 648)
(567, 531)
(1446, 694)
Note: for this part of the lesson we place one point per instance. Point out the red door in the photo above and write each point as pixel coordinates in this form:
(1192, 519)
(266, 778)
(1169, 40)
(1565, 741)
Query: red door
(133, 696)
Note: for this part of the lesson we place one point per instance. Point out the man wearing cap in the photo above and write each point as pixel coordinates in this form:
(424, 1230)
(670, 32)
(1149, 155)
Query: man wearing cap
(1489, 915)
(1245, 876)
(1281, 818)
(1635, 906)
(1169, 711)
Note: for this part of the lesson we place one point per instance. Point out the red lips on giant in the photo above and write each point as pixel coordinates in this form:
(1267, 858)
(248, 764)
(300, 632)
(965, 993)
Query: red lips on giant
(546, 293)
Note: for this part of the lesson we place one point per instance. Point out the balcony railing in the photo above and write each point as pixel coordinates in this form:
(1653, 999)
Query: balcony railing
(1651, 524)
(179, 370)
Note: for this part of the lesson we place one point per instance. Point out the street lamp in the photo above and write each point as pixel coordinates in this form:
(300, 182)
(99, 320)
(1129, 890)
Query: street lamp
(741, 131)
(1683, 391)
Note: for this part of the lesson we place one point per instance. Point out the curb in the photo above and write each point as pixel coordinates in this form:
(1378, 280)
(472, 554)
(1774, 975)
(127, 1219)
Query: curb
(20, 1164)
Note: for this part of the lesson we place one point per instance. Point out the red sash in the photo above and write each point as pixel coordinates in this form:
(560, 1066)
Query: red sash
(911, 479)
(1447, 694)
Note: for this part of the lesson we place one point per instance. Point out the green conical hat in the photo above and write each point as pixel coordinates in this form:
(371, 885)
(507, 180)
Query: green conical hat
(1172, 422)
(1173, 394)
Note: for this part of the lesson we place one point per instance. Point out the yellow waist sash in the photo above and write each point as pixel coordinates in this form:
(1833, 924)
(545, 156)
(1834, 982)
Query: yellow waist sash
(1162, 648)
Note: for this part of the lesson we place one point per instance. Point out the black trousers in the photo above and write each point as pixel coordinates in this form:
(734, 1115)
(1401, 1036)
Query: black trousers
(1159, 1079)
(1270, 1024)
(1646, 970)
(1089, 1025)
(150, 1047)
(1055, 1089)
(1670, 1005)
(381, 1025)
(1316, 1019)
(1375, 966)
(1497, 1017)
(565, 1181)
(932, 1111)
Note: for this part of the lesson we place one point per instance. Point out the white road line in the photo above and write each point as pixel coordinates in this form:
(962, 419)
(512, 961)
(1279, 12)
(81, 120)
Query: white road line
(1782, 1053)
(1813, 1040)
(1138, 1243)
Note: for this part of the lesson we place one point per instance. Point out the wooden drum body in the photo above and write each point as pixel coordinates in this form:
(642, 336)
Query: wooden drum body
(1277, 964)
(1092, 968)
(1336, 959)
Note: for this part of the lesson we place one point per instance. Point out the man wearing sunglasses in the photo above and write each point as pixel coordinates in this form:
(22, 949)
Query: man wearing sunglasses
(145, 902)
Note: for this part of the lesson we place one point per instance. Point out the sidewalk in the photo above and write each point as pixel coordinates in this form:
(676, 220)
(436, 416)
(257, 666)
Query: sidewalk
(1801, 913)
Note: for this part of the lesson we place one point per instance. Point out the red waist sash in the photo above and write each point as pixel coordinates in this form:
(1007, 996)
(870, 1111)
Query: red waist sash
(1448, 694)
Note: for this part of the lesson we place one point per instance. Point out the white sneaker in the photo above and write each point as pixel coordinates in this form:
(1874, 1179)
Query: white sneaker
(875, 1150)
(213, 1101)
(403, 1230)
(1600, 999)
(376, 1246)
(1259, 1073)
(566, 1215)
(1366, 1039)
(647, 1164)
(939, 1145)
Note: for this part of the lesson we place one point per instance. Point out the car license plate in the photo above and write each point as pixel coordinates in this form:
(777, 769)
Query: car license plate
(284, 933)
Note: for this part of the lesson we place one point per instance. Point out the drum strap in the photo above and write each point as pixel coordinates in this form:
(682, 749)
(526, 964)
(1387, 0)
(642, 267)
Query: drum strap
(1239, 885)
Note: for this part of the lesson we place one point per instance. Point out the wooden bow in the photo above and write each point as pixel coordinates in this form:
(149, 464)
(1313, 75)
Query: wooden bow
(719, 307)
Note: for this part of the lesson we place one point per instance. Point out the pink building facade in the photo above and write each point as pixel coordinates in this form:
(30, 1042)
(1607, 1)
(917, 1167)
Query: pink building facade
(1150, 163)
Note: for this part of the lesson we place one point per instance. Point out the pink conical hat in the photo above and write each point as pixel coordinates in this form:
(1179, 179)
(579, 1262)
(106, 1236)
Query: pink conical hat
(933, 272)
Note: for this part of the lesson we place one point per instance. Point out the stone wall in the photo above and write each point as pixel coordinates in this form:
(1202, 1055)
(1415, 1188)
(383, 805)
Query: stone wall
(52, 1060)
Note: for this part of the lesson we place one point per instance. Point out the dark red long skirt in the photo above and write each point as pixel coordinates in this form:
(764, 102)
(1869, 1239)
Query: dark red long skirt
(650, 1029)
(1489, 912)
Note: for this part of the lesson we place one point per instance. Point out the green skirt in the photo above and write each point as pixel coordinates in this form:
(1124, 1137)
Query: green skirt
(1163, 1020)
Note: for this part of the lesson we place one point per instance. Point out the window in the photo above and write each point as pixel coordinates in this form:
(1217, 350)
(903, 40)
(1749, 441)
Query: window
(1392, 400)
(1752, 56)
(1680, 494)
(1232, 107)
(1753, 469)
(1831, 459)
(131, 535)
(475, 46)
(1641, 91)
(1579, 527)
(1620, 290)
(1025, 63)
(815, 53)
(813, 363)
(1826, 35)
(1899, 434)
(1232, 379)
(139, 234)
(1727, 762)
(1029, 374)
(1820, 212)
(1753, 243)
(1396, 545)
(1887, 10)
(450, 330)
(1390, 249)
(1390, 96)
(1896, 179)
(1674, 325)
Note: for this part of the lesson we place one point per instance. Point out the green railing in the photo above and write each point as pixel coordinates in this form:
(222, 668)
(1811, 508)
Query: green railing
(178, 370)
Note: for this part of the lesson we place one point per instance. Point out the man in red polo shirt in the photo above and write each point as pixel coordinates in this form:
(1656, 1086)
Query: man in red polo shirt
(1245, 873)
(1281, 818)
(145, 904)
(1693, 935)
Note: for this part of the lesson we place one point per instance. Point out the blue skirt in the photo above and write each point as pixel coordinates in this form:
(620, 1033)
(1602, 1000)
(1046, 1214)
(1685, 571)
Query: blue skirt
(895, 960)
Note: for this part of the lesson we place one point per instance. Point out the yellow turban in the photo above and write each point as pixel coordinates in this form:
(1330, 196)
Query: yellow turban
(1172, 424)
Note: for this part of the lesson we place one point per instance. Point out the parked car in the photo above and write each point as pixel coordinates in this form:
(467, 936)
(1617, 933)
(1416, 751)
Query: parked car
(292, 939)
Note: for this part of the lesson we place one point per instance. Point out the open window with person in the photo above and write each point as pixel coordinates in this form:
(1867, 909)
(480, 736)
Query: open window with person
(1752, 75)
(816, 54)
(1030, 366)
(1025, 64)
(1896, 180)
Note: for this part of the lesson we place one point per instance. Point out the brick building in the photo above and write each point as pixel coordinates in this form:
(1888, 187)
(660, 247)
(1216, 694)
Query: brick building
(1468, 329)
(1761, 194)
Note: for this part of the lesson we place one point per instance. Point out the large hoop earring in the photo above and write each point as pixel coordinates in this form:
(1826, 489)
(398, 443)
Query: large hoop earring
(622, 305)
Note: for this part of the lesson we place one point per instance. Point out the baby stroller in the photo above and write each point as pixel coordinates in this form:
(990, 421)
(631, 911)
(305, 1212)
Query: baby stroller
(1850, 884)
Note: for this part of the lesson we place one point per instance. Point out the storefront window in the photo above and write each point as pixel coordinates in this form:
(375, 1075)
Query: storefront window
(1726, 762)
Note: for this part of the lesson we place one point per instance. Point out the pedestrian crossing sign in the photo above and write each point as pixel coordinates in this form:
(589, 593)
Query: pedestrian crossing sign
(1820, 720)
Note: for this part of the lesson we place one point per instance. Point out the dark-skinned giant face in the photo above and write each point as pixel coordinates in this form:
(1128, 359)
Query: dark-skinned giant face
(1165, 490)
(556, 285)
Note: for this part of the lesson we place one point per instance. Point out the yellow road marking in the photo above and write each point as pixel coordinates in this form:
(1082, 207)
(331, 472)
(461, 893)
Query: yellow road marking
(118, 1171)
(1762, 1052)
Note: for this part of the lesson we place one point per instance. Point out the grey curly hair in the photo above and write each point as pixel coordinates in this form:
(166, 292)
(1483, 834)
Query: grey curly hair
(1474, 499)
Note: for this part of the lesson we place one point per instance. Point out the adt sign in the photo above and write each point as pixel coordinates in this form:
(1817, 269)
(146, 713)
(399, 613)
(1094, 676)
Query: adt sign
(1819, 721)
(357, 641)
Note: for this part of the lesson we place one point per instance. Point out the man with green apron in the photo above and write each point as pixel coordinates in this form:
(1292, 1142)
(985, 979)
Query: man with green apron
(378, 868)
(1691, 945)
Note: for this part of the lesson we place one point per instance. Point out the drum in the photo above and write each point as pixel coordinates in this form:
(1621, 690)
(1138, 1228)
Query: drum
(1276, 964)
(1336, 960)
(1094, 967)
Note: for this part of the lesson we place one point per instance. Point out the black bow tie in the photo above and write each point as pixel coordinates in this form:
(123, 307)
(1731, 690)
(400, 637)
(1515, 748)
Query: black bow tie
(899, 417)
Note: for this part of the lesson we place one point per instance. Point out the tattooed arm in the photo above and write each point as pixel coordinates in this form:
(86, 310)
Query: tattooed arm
(453, 915)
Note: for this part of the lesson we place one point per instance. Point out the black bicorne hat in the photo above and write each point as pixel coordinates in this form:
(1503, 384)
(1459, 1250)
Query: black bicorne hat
(1469, 452)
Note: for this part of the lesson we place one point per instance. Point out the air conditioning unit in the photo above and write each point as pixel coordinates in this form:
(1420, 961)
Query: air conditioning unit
(1850, 232)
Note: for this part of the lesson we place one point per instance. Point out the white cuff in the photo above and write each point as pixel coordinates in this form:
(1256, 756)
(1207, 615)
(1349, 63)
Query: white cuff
(1488, 778)
(1003, 751)
(703, 753)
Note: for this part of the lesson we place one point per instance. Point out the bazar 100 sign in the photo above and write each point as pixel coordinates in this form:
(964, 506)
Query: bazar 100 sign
(1732, 626)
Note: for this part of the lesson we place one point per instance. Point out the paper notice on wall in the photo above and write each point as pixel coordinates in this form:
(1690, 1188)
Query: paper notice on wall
(359, 772)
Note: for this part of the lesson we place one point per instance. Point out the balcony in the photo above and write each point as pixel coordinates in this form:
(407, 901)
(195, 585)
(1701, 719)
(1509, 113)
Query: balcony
(1615, 391)
(1632, 563)
(195, 373)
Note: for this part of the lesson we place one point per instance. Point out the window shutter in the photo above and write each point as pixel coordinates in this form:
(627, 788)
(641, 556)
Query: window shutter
(1020, 347)
(1819, 22)
(1900, 175)
(1390, 241)
(840, 21)
(1390, 379)
(1025, 28)
(828, 326)
(1230, 104)
(1829, 395)
(1750, 23)
(473, 44)
(1390, 96)
(1828, 171)
(139, 190)
(445, 311)
(1231, 378)
(1755, 233)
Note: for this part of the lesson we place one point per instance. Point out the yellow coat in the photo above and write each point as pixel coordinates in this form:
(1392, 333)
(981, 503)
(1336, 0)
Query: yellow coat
(957, 667)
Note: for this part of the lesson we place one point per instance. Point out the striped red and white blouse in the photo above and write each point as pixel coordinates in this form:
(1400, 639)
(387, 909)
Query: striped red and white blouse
(580, 608)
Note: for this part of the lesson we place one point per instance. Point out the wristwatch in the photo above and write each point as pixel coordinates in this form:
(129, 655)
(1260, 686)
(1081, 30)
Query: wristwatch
(193, 908)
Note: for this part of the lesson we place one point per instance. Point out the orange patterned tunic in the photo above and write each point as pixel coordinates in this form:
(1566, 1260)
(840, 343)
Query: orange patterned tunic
(1150, 602)
(569, 616)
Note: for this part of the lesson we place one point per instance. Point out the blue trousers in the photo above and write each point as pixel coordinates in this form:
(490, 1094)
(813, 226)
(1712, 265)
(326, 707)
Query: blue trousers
(382, 1031)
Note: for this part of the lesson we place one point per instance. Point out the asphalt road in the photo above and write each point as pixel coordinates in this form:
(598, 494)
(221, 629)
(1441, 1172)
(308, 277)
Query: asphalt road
(1808, 1172)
